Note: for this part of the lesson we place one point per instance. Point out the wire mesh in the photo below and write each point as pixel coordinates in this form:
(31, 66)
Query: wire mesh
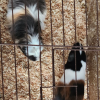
(92, 48)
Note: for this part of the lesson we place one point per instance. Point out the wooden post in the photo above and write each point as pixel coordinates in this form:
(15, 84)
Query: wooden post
(93, 19)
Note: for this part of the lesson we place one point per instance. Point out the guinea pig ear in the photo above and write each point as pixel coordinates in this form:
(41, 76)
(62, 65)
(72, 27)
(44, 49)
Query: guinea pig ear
(71, 56)
(37, 28)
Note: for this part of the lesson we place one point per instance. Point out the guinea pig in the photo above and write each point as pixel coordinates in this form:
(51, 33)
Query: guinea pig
(71, 86)
(25, 21)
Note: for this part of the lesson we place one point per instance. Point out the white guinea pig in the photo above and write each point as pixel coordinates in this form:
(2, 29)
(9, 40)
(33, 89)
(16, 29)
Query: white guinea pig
(25, 26)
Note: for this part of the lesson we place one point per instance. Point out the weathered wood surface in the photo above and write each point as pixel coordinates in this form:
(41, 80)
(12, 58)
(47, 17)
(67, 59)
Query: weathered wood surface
(93, 19)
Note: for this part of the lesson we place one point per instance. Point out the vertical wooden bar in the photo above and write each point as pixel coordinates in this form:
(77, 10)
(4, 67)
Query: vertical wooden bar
(93, 13)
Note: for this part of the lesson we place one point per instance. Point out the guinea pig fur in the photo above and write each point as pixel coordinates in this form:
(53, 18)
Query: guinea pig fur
(66, 89)
(25, 26)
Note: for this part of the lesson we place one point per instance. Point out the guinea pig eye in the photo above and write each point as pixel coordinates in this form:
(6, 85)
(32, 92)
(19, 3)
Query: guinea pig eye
(71, 56)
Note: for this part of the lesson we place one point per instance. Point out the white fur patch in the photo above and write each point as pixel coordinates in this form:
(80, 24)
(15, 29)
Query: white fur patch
(70, 74)
(34, 12)
(34, 50)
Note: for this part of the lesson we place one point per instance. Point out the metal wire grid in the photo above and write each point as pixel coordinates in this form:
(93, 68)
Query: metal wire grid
(91, 48)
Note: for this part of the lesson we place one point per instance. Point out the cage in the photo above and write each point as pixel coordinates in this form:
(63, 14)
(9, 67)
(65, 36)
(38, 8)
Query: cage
(67, 21)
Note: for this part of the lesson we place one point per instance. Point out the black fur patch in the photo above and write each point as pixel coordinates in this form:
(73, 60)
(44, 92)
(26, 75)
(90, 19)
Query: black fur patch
(32, 58)
(80, 89)
(71, 59)
(59, 97)
(25, 25)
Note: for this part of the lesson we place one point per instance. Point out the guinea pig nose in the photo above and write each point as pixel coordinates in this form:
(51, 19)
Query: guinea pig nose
(32, 58)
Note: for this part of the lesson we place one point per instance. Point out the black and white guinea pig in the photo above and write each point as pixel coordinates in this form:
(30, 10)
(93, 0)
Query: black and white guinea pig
(27, 25)
(69, 92)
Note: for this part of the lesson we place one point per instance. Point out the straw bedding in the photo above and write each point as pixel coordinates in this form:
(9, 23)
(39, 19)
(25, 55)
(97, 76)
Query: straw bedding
(8, 60)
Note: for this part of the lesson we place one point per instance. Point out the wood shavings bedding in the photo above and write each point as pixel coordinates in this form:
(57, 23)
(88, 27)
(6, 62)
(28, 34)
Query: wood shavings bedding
(46, 57)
